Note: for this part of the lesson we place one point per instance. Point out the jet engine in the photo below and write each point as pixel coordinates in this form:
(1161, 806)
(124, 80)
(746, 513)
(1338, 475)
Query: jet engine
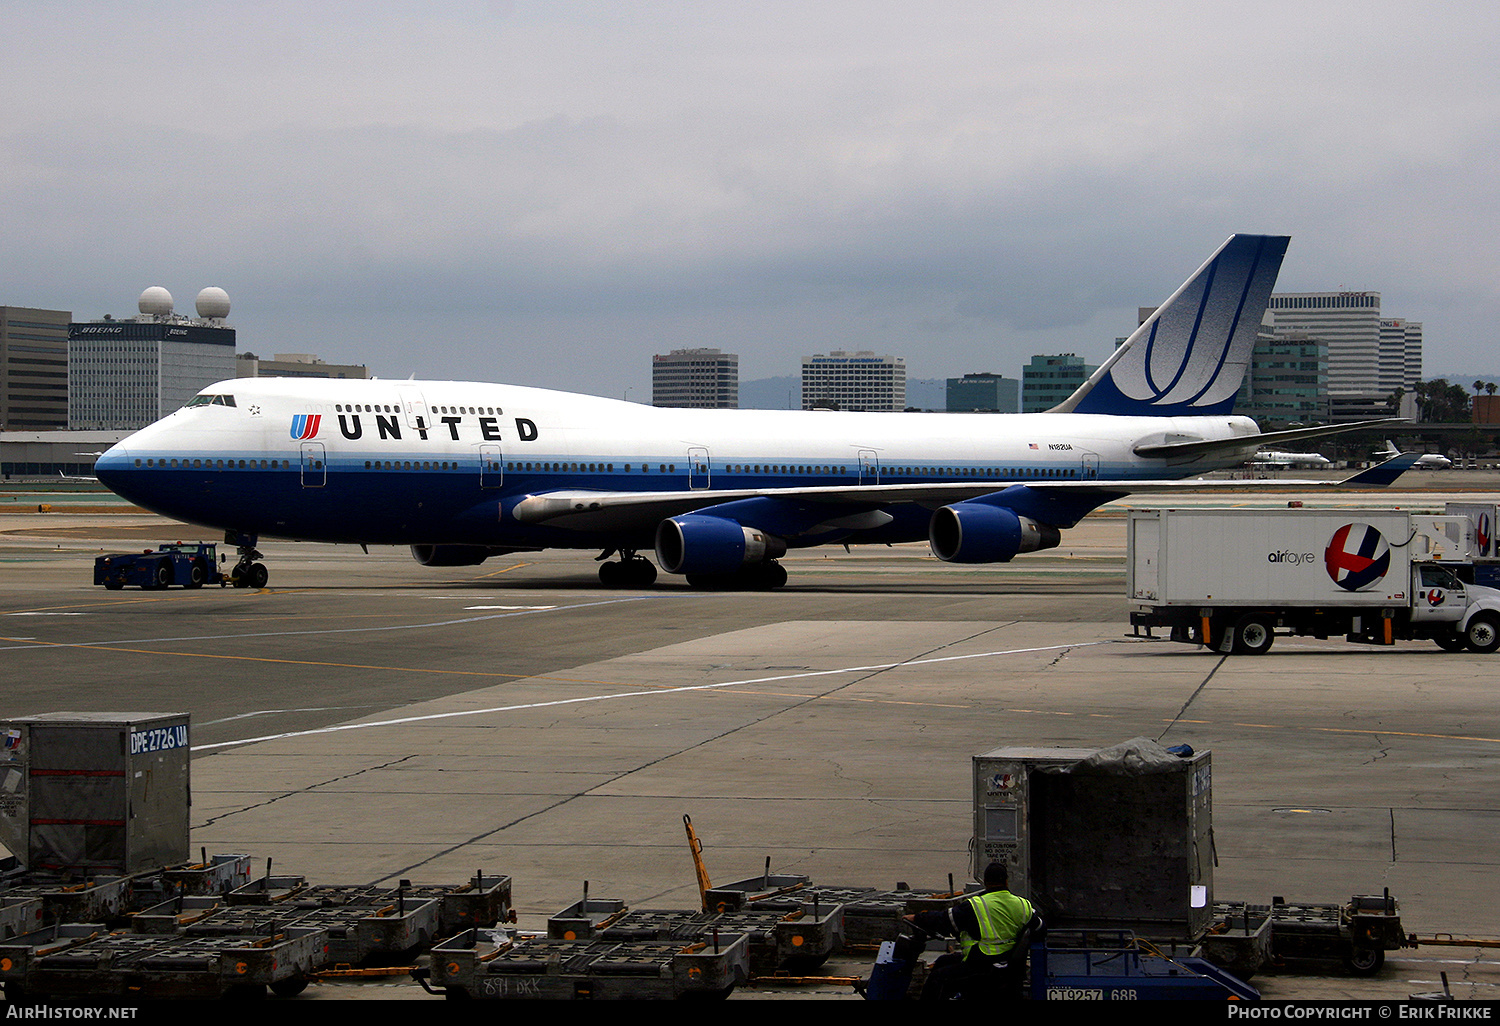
(694, 544)
(455, 555)
(973, 532)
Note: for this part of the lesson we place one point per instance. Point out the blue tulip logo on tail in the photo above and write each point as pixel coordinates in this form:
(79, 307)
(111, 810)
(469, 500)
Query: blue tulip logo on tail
(1357, 557)
(1190, 356)
(305, 426)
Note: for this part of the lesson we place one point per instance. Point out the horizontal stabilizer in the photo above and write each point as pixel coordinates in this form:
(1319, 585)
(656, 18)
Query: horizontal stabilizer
(1383, 474)
(1249, 444)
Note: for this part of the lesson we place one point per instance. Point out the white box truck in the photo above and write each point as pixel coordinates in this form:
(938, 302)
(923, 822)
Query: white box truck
(1232, 579)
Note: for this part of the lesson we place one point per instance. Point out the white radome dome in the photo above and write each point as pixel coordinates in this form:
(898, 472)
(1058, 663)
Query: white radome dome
(213, 303)
(155, 301)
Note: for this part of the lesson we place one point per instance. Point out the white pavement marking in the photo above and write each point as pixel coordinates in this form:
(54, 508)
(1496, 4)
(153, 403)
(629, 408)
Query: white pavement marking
(656, 691)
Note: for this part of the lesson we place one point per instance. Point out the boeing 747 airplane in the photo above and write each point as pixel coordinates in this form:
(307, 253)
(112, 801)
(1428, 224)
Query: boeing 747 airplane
(462, 471)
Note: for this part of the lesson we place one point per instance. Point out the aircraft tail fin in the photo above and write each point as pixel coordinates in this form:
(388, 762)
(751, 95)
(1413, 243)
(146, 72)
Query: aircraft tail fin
(1191, 355)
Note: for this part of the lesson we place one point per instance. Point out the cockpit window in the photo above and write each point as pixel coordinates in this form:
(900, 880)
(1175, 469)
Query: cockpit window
(211, 400)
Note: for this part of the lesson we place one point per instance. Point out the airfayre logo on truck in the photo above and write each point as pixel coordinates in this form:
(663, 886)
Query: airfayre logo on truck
(1357, 557)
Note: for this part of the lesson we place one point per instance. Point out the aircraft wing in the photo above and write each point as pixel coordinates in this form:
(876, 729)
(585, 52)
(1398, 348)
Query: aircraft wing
(585, 510)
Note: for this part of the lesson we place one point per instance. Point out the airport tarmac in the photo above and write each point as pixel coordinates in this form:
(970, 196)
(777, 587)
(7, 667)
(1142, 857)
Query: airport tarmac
(365, 719)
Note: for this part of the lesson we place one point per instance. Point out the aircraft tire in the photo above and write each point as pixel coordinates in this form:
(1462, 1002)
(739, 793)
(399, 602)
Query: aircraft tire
(257, 576)
(770, 576)
(641, 573)
(611, 574)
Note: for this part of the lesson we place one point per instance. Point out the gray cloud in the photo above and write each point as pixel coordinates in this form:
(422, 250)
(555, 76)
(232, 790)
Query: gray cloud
(552, 192)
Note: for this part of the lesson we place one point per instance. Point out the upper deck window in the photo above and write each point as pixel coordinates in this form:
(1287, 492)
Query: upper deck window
(211, 400)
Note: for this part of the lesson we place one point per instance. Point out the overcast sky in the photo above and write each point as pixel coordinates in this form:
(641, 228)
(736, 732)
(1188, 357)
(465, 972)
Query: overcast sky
(550, 192)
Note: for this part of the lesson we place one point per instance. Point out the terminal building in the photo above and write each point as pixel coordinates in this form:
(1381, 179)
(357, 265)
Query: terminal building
(126, 374)
(859, 381)
(702, 379)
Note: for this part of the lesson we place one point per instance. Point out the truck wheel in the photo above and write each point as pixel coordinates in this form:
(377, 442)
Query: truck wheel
(161, 575)
(1451, 642)
(1483, 633)
(1253, 635)
(197, 574)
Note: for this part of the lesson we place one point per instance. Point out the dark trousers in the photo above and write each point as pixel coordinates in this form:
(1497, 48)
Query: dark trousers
(953, 977)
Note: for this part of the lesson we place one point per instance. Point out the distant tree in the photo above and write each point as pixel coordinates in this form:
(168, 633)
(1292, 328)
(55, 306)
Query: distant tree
(1489, 388)
(1439, 402)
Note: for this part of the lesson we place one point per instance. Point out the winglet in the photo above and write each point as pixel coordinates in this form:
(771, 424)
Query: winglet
(1383, 474)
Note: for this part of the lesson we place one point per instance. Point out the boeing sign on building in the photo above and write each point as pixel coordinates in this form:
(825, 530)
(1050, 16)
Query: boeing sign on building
(125, 374)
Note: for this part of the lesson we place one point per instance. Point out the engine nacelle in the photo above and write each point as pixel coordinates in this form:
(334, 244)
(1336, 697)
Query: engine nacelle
(455, 555)
(695, 544)
(973, 532)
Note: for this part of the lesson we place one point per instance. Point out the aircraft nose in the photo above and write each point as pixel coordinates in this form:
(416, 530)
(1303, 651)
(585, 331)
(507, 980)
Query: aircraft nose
(114, 466)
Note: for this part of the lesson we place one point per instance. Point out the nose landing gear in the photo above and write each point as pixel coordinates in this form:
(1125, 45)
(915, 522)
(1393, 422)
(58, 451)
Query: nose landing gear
(247, 573)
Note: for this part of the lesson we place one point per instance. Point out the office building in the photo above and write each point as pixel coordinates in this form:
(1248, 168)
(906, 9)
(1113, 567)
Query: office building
(1288, 380)
(33, 369)
(1400, 354)
(983, 392)
(125, 374)
(295, 365)
(859, 381)
(1048, 380)
(704, 379)
(1366, 353)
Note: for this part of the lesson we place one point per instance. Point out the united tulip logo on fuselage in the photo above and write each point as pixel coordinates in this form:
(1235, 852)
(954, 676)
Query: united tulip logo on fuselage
(305, 425)
(1357, 557)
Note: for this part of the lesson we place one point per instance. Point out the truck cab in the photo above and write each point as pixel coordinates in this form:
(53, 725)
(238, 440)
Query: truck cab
(1454, 614)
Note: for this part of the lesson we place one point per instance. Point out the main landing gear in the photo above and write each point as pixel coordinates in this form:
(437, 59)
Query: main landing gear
(767, 576)
(631, 571)
(247, 573)
(636, 571)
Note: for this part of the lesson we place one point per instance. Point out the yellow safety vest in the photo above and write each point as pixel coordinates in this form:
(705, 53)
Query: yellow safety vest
(1001, 916)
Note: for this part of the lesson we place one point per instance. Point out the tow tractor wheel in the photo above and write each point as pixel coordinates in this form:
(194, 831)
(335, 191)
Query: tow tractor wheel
(197, 574)
(161, 574)
(1364, 961)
